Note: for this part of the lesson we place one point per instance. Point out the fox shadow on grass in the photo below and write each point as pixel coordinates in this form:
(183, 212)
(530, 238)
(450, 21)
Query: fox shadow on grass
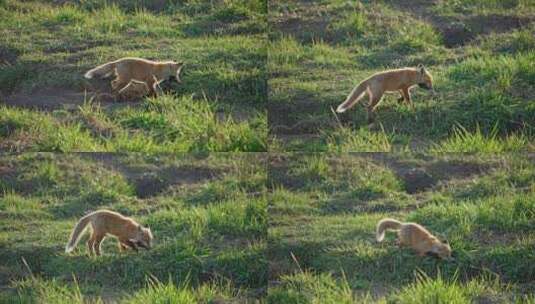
(177, 260)
(359, 255)
(394, 265)
(440, 119)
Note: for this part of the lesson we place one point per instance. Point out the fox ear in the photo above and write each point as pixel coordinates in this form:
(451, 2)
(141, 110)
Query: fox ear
(421, 68)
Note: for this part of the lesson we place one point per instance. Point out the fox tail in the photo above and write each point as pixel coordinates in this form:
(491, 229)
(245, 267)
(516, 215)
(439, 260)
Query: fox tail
(105, 70)
(386, 224)
(353, 98)
(77, 233)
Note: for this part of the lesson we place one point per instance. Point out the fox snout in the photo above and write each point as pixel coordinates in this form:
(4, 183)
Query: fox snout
(143, 245)
(425, 86)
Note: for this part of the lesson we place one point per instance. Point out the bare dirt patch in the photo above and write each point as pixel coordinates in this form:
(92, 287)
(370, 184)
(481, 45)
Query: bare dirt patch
(307, 21)
(51, 99)
(461, 29)
(425, 173)
(48, 99)
(150, 180)
(416, 180)
(55, 98)
(151, 184)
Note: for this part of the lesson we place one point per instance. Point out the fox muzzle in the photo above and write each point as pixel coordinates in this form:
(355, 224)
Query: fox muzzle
(425, 86)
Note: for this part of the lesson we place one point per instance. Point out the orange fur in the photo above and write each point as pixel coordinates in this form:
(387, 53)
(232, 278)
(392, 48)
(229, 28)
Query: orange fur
(137, 70)
(375, 86)
(415, 236)
(129, 233)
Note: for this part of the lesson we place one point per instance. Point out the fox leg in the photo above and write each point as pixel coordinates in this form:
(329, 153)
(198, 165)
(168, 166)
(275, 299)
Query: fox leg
(407, 96)
(156, 89)
(122, 247)
(117, 83)
(125, 87)
(398, 241)
(402, 97)
(97, 243)
(131, 83)
(90, 243)
(374, 102)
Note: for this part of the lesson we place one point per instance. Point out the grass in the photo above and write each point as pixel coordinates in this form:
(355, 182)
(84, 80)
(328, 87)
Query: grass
(207, 213)
(324, 208)
(46, 48)
(277, 227)
(479, 52)
(283, 228)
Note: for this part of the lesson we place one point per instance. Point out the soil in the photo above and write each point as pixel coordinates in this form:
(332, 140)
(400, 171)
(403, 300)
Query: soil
(425, 174)
(460, 30)
(151, 181)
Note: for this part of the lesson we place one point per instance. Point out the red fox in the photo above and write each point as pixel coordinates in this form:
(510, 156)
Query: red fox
(129, 233)
(401, 80)
(131, 71)
(414, 236)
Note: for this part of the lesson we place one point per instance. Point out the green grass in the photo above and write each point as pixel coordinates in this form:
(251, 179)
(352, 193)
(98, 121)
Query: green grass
(207, 213)
(47, 47)
(230, 227)
(484, 82)
(324, 208)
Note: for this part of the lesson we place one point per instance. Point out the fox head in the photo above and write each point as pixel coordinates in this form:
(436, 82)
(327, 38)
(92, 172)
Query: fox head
(442, 250)
(425, 79)
(172, 70)
(143, 237)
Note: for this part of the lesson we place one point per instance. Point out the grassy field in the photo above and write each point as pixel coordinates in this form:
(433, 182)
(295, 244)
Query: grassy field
(207, 214)
(481, 54)
(324, 208)
(289, 224)
(47, 46)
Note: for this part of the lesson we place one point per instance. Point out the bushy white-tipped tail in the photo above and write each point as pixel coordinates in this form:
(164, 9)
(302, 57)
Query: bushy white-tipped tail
(89, 74)
(69, 248)
(386, 224)
(103, 71)
(77, 233)
(179, 70)
(353, 98)
(340, 109)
